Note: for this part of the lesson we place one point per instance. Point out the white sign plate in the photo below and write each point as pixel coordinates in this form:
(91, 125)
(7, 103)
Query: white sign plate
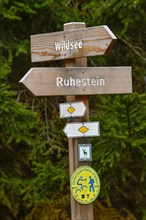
(82, 129)
(72, 109)
(84, 152)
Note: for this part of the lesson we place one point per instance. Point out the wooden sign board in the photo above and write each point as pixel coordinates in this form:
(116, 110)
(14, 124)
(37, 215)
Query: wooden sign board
(69, 44)
(78, 81)
(82, 129)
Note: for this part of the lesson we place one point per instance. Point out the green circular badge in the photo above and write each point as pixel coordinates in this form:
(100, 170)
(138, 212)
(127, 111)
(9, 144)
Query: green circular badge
(85, 184)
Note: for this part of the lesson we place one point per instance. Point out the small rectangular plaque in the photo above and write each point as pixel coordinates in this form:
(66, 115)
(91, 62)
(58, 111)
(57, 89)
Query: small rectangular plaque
(84, 152)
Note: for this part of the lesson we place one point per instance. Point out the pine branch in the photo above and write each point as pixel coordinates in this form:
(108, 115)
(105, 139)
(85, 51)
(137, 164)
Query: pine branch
(134, 50)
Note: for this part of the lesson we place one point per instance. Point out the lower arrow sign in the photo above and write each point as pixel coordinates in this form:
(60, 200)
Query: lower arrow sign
(78, 80)
(82, 129)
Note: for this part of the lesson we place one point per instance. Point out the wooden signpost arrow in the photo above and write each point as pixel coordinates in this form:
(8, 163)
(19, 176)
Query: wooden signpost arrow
(78, 81)
(68, 44)
(72, 109)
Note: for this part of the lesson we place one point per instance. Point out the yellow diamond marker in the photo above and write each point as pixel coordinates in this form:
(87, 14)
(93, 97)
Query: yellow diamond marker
(83, 129)
(70, 109)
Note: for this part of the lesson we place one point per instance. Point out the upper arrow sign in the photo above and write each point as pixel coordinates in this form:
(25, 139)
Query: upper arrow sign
(61, 45)
(72, 109)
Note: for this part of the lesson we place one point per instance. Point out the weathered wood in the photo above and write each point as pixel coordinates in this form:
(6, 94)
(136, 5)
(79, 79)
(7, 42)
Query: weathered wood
(78, 80)
(73, 43)
(78, 211)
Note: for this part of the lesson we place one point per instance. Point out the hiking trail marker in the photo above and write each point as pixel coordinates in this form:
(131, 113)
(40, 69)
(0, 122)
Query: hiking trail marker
(82, 129)
(84, 152)
(85, 185)
(72, 109)
(77, 81)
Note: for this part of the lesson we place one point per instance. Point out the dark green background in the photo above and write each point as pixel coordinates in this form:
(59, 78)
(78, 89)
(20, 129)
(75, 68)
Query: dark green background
(34, 165)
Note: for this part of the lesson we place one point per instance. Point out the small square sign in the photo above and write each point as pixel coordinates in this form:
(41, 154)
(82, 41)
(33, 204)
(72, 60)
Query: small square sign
(84, 152)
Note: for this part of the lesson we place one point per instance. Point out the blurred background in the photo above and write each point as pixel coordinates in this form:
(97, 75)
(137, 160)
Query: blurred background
(34, 163)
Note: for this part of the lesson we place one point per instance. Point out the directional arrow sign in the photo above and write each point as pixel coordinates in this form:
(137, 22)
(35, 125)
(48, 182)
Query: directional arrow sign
(72, 109)
(61, 45)
(78, 80)
(82, 129)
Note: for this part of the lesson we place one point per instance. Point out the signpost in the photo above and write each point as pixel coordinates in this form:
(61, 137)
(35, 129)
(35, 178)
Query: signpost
(82, 42)
(77, 81)
(82, 129)
(72, 109)
(78, 211)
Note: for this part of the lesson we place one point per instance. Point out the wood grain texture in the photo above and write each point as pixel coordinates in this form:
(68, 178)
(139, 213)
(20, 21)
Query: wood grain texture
(96, 40)
(59, 81)
(78, 211)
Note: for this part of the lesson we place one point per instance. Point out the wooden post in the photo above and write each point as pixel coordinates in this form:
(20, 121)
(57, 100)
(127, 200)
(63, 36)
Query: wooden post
(78, 211)
(56, 46)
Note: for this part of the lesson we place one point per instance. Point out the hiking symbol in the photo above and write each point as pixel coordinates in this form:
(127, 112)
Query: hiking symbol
(85, 184)
(91, 184)
(80, 183)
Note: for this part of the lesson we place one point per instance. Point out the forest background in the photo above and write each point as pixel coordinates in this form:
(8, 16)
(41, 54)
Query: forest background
(34, 163)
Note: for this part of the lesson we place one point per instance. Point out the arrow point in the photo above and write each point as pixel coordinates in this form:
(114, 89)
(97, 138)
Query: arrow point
(113, 40)
(110, 32)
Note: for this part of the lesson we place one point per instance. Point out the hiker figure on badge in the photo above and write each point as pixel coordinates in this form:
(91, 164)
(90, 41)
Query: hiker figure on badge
(80, 181)
(91, 184)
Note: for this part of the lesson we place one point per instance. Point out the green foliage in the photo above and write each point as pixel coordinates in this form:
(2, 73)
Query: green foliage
(9, 194)
(16, 123)
(15, 119)
(121, 150)
(34, 181)
(109, 213)
(56, 210)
